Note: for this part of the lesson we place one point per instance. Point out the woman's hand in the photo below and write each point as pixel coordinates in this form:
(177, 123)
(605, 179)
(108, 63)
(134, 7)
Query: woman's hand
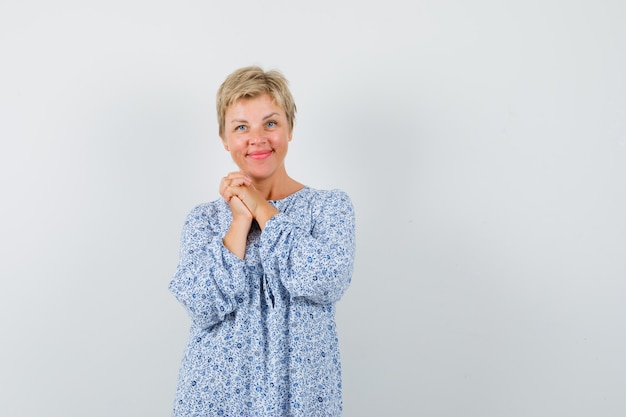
(235, 238)
(230, 189)
(237, 186)
(230, 182)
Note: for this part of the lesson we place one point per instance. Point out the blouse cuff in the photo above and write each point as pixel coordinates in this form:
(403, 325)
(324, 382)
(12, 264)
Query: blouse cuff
(235, 278)
(273, 229)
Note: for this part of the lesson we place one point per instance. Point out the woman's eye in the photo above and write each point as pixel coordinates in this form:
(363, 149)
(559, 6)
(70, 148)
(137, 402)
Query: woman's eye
(240, 128)
(271, 124)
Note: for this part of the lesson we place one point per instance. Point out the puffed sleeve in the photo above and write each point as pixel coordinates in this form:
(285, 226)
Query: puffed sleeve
(313, 263)
(210, 281)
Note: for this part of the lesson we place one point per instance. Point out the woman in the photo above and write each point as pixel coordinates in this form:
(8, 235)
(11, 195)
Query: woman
(261, 270)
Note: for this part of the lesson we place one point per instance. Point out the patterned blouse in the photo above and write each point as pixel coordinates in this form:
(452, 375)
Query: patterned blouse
(263, 340)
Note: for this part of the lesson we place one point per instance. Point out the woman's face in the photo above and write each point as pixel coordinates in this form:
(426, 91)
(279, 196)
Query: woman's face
(256, 134)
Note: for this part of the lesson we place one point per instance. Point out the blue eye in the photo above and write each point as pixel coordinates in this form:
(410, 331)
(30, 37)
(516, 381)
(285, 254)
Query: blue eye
(271, 124)
(240, 128)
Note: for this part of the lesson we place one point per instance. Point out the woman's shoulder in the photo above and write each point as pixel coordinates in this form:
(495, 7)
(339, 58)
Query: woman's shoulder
(324, 194)
(208, 212)
(326, 199)
(332, 194)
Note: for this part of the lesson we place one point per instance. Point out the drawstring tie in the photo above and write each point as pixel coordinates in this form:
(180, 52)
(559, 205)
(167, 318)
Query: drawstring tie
(267, 291)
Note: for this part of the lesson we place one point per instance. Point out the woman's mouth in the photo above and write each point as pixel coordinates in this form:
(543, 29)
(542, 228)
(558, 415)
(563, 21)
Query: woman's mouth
(260, 154)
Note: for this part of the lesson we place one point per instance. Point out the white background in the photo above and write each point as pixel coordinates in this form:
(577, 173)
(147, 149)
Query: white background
(483, 144)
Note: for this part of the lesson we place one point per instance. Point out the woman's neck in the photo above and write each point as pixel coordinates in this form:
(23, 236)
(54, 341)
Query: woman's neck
(277, 188)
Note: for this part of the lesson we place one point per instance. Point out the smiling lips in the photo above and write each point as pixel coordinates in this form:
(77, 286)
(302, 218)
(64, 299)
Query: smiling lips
(260, 154)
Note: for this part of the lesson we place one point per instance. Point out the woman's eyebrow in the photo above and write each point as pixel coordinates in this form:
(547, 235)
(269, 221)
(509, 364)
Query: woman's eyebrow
(271, 115)
(245, 121)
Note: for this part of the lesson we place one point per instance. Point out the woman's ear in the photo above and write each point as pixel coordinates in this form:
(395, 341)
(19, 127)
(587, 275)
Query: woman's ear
(225, 144)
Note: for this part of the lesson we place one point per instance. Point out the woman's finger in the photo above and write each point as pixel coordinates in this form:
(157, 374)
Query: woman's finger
(224, 183)
(229, 183)
(238, 176)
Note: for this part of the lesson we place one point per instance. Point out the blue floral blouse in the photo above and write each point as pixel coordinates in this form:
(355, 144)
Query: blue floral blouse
(263, 340)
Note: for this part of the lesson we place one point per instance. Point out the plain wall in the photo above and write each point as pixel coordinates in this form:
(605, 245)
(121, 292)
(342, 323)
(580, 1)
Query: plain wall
(483, 144)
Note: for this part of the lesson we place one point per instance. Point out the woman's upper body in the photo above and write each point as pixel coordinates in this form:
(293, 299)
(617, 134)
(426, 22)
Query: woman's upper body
(263, 336)
(261, 270)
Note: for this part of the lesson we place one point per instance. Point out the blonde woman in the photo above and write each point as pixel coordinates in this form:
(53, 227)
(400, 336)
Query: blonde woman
(261, 270)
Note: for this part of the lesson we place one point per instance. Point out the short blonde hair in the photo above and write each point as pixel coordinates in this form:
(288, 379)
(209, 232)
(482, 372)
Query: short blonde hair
(250, 82)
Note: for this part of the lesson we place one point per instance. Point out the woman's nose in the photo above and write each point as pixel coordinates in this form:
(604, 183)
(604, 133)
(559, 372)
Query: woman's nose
(256, 136)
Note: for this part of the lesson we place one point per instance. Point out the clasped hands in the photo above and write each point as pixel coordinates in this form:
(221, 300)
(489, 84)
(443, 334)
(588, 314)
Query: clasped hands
(246, 202)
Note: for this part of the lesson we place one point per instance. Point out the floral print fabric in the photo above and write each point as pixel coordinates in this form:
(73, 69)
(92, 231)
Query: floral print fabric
(263, 340)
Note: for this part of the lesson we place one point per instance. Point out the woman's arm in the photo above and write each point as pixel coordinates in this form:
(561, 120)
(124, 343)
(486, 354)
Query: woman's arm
(210, 280)
(315, 264)
(237, 235)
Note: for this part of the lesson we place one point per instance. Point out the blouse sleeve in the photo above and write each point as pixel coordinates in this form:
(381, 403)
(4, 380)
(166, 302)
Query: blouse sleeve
(315, 264)
(210, 281)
